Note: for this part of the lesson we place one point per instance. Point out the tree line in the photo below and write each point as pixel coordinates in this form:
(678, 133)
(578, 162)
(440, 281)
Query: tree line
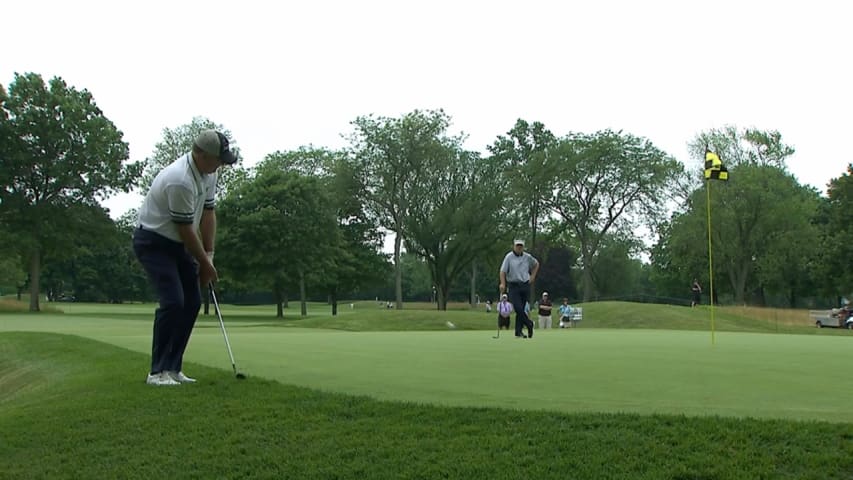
(310, 223)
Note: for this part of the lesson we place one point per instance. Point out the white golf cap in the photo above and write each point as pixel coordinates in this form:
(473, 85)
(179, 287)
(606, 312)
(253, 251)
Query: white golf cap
(544, 294)
(518, 242)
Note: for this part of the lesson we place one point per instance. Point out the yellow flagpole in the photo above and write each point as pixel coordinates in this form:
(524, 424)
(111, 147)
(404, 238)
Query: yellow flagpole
(710, 258)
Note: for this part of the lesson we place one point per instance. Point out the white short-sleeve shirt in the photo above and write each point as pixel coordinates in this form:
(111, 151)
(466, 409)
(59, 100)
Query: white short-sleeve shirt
(178, 195)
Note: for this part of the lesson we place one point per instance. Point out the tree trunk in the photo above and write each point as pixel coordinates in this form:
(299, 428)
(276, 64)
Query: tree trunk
(302, 300)
(533, 295)
(279, 307)
(534, 216)
(586, 281)
(534, 222)
(738, 277)
(398, 271)
(762, 297)
(441, 291)
(206, 294)
(35, 271)
(473, 284)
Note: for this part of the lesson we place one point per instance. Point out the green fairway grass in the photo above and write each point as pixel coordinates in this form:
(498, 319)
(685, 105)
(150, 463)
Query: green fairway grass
(624, 370)
(72, 408)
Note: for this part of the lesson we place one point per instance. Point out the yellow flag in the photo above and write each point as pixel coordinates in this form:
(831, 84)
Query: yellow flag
(712, 160)
(714, 168)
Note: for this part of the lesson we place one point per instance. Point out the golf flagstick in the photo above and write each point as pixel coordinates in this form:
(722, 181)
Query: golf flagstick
(224, 334)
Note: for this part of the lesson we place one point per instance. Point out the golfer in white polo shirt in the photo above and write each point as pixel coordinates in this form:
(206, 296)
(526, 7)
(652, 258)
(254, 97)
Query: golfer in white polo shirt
(174, 242)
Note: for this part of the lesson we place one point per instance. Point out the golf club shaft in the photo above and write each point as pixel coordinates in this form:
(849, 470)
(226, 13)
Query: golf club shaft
(222, 324)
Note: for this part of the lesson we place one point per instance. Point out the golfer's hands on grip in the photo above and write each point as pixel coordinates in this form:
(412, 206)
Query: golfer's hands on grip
(207, 272)
(503, 288)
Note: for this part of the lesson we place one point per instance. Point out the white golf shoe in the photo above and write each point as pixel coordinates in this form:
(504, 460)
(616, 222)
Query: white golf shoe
(180, 377)
(161, 378)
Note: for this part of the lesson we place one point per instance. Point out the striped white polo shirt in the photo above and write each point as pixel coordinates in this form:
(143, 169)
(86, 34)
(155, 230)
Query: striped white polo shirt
(178, 194)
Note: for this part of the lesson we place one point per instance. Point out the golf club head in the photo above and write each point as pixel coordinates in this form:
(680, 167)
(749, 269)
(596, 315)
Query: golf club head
(240, 376)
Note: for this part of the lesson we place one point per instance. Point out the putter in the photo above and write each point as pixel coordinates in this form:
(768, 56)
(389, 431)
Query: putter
(225, 335)
(499, 332)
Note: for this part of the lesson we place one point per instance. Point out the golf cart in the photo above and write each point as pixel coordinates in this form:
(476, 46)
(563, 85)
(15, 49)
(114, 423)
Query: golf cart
(835, 318)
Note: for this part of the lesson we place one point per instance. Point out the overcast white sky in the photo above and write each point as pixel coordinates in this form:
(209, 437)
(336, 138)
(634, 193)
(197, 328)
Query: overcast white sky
(284, 74)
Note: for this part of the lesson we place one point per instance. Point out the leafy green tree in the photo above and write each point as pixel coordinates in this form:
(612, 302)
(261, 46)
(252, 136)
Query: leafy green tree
(307, 160)
(178, 141)
(13, 267)
(763, 233)
(742, 147)
(60, 155)
(618, 271)
(789, 267)
(393, 155)
(522, 155)
(12, 273)
(488, 261)
(103, 267)
(355, 263)
(277, 228)
(417, 283)
(678, 256)
(559, 260)
(454, 215)
(760, 218)
(555, 272)
(358, 263)
(835, 223)
(604, 183)
(760, 200)
(135, 281)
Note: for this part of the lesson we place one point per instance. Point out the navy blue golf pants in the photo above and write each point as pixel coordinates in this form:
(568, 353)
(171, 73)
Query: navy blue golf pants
(519, 295)
(174, 275)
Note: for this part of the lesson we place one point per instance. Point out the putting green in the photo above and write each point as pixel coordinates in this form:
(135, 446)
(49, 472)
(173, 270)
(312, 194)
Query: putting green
(641, 371)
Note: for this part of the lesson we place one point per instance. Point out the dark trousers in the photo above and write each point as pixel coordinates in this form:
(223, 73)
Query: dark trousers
(174, 275)
(519, 295)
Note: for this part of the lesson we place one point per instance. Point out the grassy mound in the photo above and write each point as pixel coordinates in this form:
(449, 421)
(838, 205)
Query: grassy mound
(367, 316)
(611, 314)
(80, 409)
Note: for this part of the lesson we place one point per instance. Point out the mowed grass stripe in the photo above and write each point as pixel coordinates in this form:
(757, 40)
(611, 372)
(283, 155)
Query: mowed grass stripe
(583, 370)
(104, 425)
(610, 371)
